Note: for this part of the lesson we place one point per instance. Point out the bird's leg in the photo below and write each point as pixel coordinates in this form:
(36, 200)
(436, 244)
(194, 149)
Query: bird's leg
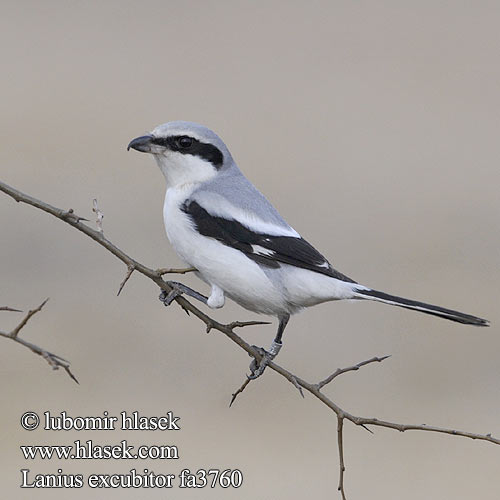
(257, 368)
(178, 289)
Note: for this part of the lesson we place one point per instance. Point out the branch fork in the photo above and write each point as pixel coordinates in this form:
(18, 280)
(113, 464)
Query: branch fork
(54, 360)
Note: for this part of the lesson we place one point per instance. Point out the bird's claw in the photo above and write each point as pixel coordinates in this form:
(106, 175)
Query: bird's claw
(168, 297)
(177, 290)
(257, 368)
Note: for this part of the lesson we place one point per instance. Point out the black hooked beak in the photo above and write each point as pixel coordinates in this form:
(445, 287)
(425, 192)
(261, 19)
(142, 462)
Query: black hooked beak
(142, 144)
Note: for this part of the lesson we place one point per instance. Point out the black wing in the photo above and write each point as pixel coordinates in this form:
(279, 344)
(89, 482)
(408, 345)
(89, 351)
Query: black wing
(265, 249)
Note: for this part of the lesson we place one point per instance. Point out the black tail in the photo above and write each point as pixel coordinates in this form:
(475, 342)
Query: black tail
(467, 319)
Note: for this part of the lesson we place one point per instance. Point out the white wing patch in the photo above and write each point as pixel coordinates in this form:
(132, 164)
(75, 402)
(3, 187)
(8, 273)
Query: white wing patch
(262, 251)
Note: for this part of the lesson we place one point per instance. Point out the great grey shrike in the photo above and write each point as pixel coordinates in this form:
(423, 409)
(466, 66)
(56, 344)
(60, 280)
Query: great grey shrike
(220, 224)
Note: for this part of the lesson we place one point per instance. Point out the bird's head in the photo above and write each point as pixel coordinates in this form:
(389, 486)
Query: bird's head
(185, 152)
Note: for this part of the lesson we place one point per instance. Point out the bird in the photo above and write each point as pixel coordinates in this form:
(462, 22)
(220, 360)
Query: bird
(220, 224)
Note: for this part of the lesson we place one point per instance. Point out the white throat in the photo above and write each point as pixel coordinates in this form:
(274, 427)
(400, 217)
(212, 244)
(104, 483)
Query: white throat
(180, 169)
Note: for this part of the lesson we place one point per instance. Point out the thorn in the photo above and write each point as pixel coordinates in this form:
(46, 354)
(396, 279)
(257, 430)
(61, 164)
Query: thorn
(70, 373)
(239, 391)
(131, 269)
(39, 308)
(70, 214)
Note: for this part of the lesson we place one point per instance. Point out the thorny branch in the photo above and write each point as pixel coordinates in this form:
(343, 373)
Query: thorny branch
(52, 359)
(340, 371)
(70, 218)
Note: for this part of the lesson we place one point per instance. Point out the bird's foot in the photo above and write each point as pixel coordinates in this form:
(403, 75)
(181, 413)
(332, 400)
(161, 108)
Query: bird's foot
(178, 289)
(168, 297)
(257, 367)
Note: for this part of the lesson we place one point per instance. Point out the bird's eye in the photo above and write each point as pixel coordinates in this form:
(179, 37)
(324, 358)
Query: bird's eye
(185, 142)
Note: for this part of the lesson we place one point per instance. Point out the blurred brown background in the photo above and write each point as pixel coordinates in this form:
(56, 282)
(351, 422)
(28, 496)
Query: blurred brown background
(372, 126)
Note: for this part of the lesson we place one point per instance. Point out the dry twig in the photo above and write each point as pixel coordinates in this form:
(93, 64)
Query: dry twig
(340, 371)
(52, 359)
(172, 270)
(130, 270)
(315, 389)
(239, 391)
(340, 443)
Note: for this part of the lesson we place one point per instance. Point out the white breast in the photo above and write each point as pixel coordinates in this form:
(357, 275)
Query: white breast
(240, 278)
